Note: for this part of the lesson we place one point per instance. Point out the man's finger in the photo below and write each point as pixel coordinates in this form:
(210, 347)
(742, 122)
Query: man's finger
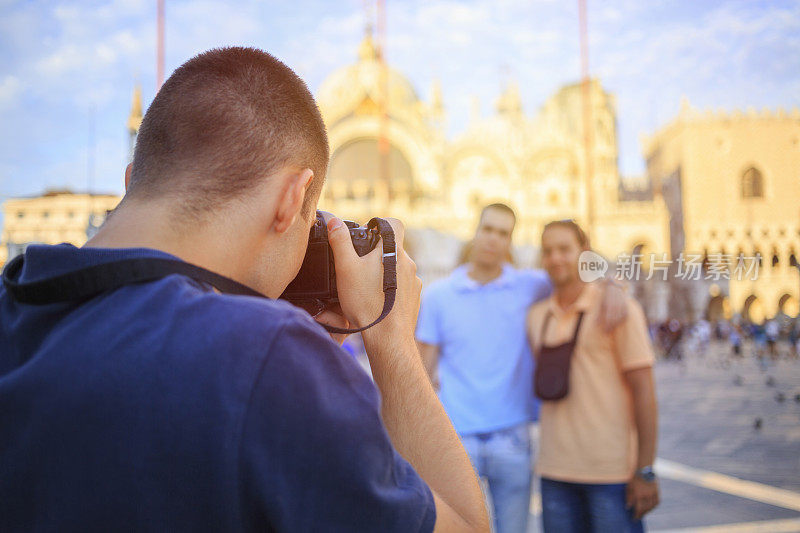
(340, 241)
(629, 499)
(647, 506)
(641, 508)
(399, 231)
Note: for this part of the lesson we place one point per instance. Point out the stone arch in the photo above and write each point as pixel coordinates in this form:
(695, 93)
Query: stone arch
(408, 143)
(476, 177)
(788, 305)
(358, 165)
(716, 308)
(644, 247)
(556, 173)
(554, 153)
(775, 257)
(468, 152)
(753, 310)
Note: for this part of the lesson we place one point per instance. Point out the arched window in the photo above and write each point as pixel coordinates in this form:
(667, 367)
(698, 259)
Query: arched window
(752, 183)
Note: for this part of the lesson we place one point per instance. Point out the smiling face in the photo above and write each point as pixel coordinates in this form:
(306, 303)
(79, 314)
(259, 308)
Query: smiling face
(491, 246)
(561, 248)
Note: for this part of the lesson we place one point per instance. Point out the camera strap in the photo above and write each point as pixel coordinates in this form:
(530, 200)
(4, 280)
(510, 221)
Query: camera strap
(90, 281)
(389, 273)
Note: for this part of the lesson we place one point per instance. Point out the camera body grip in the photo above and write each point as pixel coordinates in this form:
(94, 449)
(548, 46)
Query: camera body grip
(314, 287)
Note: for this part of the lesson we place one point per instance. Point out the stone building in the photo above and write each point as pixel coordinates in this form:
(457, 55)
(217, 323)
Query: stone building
(731, 182)
(56, 216)
(437, 186)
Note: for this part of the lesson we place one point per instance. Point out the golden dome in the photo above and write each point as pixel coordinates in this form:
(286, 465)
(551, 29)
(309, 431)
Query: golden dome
(359, 87)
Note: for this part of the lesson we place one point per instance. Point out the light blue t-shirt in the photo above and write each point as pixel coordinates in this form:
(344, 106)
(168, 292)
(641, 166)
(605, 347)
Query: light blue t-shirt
(485, 363)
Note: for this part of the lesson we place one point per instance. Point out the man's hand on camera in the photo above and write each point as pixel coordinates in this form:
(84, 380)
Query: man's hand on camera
(333, 316)
(359, 282)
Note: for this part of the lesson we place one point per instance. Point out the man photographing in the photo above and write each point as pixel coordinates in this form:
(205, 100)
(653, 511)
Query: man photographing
(167, 405)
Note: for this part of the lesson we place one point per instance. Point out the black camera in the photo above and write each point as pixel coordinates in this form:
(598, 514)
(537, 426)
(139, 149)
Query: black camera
(314, 288)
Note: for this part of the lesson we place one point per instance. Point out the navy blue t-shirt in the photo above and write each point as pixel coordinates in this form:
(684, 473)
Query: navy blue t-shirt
(168, 406)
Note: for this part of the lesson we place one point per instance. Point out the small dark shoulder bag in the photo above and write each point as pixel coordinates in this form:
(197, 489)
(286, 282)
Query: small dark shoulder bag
(551, 379)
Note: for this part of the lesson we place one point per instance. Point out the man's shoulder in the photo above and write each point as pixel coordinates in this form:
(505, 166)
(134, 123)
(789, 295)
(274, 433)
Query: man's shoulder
(531, 275)
(208, 321)
(538, 309)
(234, 314)
(228, 340)
(442, 286)
(635, 308)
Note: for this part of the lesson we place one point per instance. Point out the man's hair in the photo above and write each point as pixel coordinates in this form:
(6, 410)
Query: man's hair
(223, 121)
(580, 235)
(500, 207)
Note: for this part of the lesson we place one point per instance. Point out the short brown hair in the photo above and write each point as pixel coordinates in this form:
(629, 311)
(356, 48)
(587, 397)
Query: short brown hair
(222, 121)
(500, 207)
(580, 235)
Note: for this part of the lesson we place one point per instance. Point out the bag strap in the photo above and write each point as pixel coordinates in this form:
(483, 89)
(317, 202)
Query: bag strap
(90, 281)
(577, 327)
(547, 320)
(544, 328)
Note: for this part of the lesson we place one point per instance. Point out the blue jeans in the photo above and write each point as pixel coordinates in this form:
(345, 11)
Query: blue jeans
(504, 458)
(586, 507)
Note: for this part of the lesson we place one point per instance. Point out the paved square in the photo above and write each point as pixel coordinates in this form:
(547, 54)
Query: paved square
(729, 444)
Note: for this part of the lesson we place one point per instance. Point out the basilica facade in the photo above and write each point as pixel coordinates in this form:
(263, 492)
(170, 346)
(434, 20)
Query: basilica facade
(720, 187)
(390, 156)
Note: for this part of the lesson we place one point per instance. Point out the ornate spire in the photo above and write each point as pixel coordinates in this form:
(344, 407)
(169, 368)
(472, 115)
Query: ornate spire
(474, 109)
(367, 50)
(135, 118)
(437, 101)
(510, 103)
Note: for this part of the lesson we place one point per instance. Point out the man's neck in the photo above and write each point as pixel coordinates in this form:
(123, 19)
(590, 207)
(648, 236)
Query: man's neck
(208, 245)
(567, 294)
(483, 274)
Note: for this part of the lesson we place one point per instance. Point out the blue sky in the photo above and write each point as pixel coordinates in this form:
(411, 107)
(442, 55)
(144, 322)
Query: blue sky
(64, 62)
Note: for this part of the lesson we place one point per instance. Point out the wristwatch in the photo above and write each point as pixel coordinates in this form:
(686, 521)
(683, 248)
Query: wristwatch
(646, 473)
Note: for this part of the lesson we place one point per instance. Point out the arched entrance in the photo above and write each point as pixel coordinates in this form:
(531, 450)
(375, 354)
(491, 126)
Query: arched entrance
(356, 171)
(716, 309)
(788, 305)
(753, 310)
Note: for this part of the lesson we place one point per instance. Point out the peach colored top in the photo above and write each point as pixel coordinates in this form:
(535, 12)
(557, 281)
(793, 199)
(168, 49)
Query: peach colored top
(589, 436)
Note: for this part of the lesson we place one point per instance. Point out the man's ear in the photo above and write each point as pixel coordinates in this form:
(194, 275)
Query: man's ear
(128, 175)
(291, 200)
